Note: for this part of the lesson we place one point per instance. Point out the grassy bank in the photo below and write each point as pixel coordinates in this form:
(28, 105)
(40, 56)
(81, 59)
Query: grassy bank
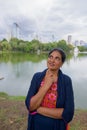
(6, 96)
(13, 114)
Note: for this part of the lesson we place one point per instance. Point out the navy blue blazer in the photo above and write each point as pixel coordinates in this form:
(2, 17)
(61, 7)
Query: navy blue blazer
(65, 97)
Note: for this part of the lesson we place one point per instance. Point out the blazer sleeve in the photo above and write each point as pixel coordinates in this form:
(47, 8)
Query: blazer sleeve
(69, 101)
(32, 90)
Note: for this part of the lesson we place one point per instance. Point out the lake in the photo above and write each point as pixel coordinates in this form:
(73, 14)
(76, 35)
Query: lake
(17, 70)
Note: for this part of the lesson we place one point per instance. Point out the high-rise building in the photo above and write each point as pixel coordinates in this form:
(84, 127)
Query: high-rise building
(76, 43)
(16, 30)
(69, 40)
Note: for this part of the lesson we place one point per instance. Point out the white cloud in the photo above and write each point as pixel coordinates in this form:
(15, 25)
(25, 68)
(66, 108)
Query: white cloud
(46, 17)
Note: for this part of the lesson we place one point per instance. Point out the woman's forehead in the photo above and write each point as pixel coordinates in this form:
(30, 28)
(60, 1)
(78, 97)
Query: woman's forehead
(55, 53)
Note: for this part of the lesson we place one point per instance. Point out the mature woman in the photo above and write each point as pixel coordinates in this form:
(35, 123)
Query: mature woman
(50, 99)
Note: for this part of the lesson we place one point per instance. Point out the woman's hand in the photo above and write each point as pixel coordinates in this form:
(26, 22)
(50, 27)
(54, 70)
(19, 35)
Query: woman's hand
(36, 100)
(49, 79)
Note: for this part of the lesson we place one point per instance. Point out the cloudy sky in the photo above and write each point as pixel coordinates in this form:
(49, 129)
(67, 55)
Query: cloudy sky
(45, 19)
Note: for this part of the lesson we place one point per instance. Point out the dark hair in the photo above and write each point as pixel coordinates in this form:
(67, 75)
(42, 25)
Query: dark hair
(60, 51)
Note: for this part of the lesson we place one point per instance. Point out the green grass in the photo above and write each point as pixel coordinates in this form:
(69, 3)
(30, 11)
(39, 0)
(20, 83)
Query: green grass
(6, 96)
(3, 95)
(21, 98)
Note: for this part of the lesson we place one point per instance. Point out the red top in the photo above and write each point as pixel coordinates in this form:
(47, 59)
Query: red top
(50, 97)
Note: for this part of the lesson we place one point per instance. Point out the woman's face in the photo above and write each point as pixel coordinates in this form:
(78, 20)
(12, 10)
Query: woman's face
(54, 61)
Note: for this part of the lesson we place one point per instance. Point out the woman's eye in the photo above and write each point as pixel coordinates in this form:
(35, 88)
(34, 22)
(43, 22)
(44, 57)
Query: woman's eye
(50, 57)
(57, 58)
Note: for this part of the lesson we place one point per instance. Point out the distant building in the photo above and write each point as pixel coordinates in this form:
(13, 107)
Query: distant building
(69, 40)
(82, 43)
(76, 43)
(15, 30)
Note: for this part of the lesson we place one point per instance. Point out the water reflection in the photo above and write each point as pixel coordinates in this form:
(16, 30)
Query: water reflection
(77, 69)
(18, 69)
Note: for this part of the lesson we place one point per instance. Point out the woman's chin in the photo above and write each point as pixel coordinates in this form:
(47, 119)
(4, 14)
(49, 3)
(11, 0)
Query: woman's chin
(51, 68)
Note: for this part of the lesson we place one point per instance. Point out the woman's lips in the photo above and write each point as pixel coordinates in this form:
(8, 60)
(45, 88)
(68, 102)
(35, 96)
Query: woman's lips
(51, 64)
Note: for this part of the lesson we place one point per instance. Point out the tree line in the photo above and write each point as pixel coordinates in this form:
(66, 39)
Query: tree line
(33, 46)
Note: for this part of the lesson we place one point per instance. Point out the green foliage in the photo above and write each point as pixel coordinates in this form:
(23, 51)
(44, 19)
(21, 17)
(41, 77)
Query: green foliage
(33, 46)
(4, 45)
(14, 44)
(62, 44)
(4, 40)
(6, 96)
(17, 98)
(82, 48)
(17, 57)
(3, 95)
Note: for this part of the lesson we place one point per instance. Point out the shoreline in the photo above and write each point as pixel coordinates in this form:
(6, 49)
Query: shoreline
(14, 114)
(4, 95)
